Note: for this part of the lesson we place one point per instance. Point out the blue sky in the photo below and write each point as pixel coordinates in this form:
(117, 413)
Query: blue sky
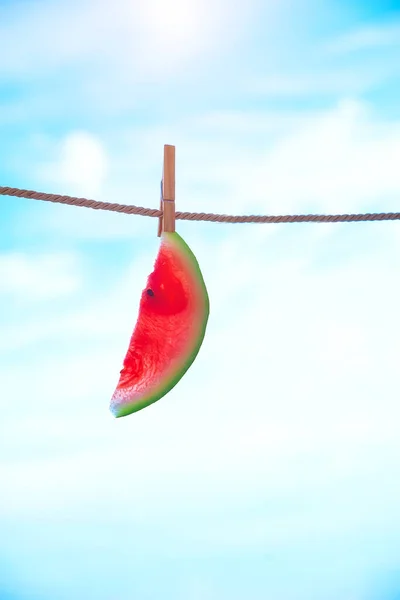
(271, 470)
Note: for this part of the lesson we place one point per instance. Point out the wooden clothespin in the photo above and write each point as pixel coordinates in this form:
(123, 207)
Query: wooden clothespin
(167, 204)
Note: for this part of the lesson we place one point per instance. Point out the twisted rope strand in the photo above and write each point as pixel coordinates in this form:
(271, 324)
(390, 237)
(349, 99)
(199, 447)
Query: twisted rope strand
(130, 209)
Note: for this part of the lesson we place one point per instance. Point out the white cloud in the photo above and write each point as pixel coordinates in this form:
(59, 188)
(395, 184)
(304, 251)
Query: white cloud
(320, 81)
(339, 161)
(40, 277)
(376, 36)
(81, 165)
(128, 38)
(172, 34)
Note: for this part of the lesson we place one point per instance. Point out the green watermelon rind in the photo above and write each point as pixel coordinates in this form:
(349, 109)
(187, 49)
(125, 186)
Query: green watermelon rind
(124, 410)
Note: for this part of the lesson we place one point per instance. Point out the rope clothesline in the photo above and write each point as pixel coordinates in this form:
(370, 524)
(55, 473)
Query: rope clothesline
(190, 216)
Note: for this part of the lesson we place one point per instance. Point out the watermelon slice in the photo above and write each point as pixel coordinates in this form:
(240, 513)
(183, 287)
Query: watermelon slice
(170, 329)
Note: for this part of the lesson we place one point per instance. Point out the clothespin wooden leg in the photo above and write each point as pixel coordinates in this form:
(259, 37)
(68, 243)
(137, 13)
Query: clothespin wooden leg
(167, 205)
(160, 219)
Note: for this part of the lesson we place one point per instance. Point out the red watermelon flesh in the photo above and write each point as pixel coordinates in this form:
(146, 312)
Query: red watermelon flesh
(170, 329)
